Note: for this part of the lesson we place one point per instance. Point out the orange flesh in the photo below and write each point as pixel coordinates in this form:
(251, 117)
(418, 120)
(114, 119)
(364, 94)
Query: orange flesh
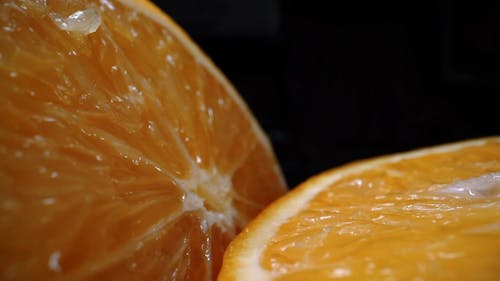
(393, 223)
(106, 138)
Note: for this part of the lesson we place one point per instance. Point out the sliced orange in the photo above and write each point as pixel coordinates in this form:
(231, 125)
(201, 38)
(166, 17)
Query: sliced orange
(430, 214)
(125, 153)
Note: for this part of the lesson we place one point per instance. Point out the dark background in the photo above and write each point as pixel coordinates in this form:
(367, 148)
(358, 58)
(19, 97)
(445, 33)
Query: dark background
(336, 81)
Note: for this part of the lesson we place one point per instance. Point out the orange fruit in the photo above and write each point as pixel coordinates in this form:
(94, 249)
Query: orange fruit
(430, 214)
(124, 152)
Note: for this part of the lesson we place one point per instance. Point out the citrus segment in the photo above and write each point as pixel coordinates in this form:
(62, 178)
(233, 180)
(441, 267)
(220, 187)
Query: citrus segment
(432, 214)
(124, 152)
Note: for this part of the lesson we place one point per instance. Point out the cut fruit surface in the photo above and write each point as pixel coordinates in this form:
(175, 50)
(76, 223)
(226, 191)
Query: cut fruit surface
(125, 154)
(430, 214)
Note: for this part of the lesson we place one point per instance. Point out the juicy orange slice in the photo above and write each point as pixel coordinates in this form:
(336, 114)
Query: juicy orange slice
(124, 152)
(430, 214)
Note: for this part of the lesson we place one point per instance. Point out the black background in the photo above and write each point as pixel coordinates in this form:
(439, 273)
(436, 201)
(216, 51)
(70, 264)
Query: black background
(335, 81)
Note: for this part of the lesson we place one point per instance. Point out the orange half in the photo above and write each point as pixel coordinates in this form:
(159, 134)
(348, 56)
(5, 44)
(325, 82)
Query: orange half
(124, 152)
(430, 214)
